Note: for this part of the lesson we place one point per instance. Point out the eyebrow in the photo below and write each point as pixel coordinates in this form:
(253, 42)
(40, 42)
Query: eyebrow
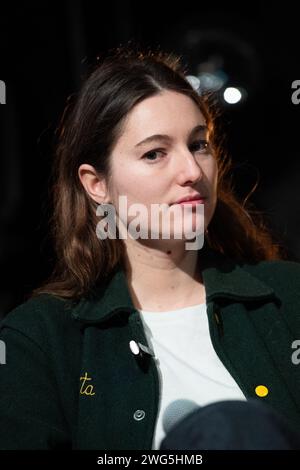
(167, 138)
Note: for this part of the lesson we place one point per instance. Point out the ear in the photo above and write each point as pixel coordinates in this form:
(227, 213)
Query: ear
(94, 183)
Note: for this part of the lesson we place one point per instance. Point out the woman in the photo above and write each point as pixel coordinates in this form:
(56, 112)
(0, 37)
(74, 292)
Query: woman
(125, 326)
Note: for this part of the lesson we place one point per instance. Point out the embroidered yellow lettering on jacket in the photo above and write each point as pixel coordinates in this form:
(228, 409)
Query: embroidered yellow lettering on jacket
(86, 389)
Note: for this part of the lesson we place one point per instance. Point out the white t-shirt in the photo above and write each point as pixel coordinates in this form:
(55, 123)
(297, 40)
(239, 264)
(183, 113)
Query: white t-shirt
(188, 365)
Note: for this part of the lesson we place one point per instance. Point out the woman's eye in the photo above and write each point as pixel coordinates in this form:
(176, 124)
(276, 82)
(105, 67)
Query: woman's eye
(200, 145)
(149, 155)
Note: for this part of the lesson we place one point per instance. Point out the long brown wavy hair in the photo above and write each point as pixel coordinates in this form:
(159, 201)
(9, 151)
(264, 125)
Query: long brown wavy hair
(87, 132)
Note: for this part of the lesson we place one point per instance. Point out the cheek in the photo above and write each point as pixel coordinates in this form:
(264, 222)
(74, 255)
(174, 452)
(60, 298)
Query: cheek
(136, 186)
(133, 190)
(123, 183)
(212, 173)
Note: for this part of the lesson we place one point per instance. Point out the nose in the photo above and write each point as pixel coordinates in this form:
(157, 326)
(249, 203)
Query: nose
(187, 168)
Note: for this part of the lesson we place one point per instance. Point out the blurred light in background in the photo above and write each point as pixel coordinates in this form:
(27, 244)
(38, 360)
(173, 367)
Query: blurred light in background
(232, 95)
(222, 62)
(194, 81)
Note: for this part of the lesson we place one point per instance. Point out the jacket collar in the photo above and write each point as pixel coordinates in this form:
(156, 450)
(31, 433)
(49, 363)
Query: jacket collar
(222, 277)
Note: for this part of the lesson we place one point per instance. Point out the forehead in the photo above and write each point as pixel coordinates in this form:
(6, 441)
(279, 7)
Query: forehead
(166, 113)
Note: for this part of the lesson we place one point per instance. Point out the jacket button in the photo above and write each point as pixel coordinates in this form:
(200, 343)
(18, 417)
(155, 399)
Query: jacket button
(139, 414)
(139, 349)
(261, 390)
(134, 347)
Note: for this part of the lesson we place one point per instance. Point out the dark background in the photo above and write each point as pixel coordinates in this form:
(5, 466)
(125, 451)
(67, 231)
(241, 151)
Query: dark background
(45, 50)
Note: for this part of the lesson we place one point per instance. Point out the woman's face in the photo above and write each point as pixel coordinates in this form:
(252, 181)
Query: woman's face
(164, 169)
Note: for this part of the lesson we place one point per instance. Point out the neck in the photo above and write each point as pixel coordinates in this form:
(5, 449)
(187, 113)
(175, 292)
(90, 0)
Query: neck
(163, 277)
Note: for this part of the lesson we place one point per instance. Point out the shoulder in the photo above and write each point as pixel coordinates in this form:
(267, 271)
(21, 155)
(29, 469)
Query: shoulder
(275, 269)
(39, 316)
(282, 275)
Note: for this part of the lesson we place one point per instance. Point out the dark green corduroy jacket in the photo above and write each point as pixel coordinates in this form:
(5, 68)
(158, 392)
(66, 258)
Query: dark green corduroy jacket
(71, 381)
